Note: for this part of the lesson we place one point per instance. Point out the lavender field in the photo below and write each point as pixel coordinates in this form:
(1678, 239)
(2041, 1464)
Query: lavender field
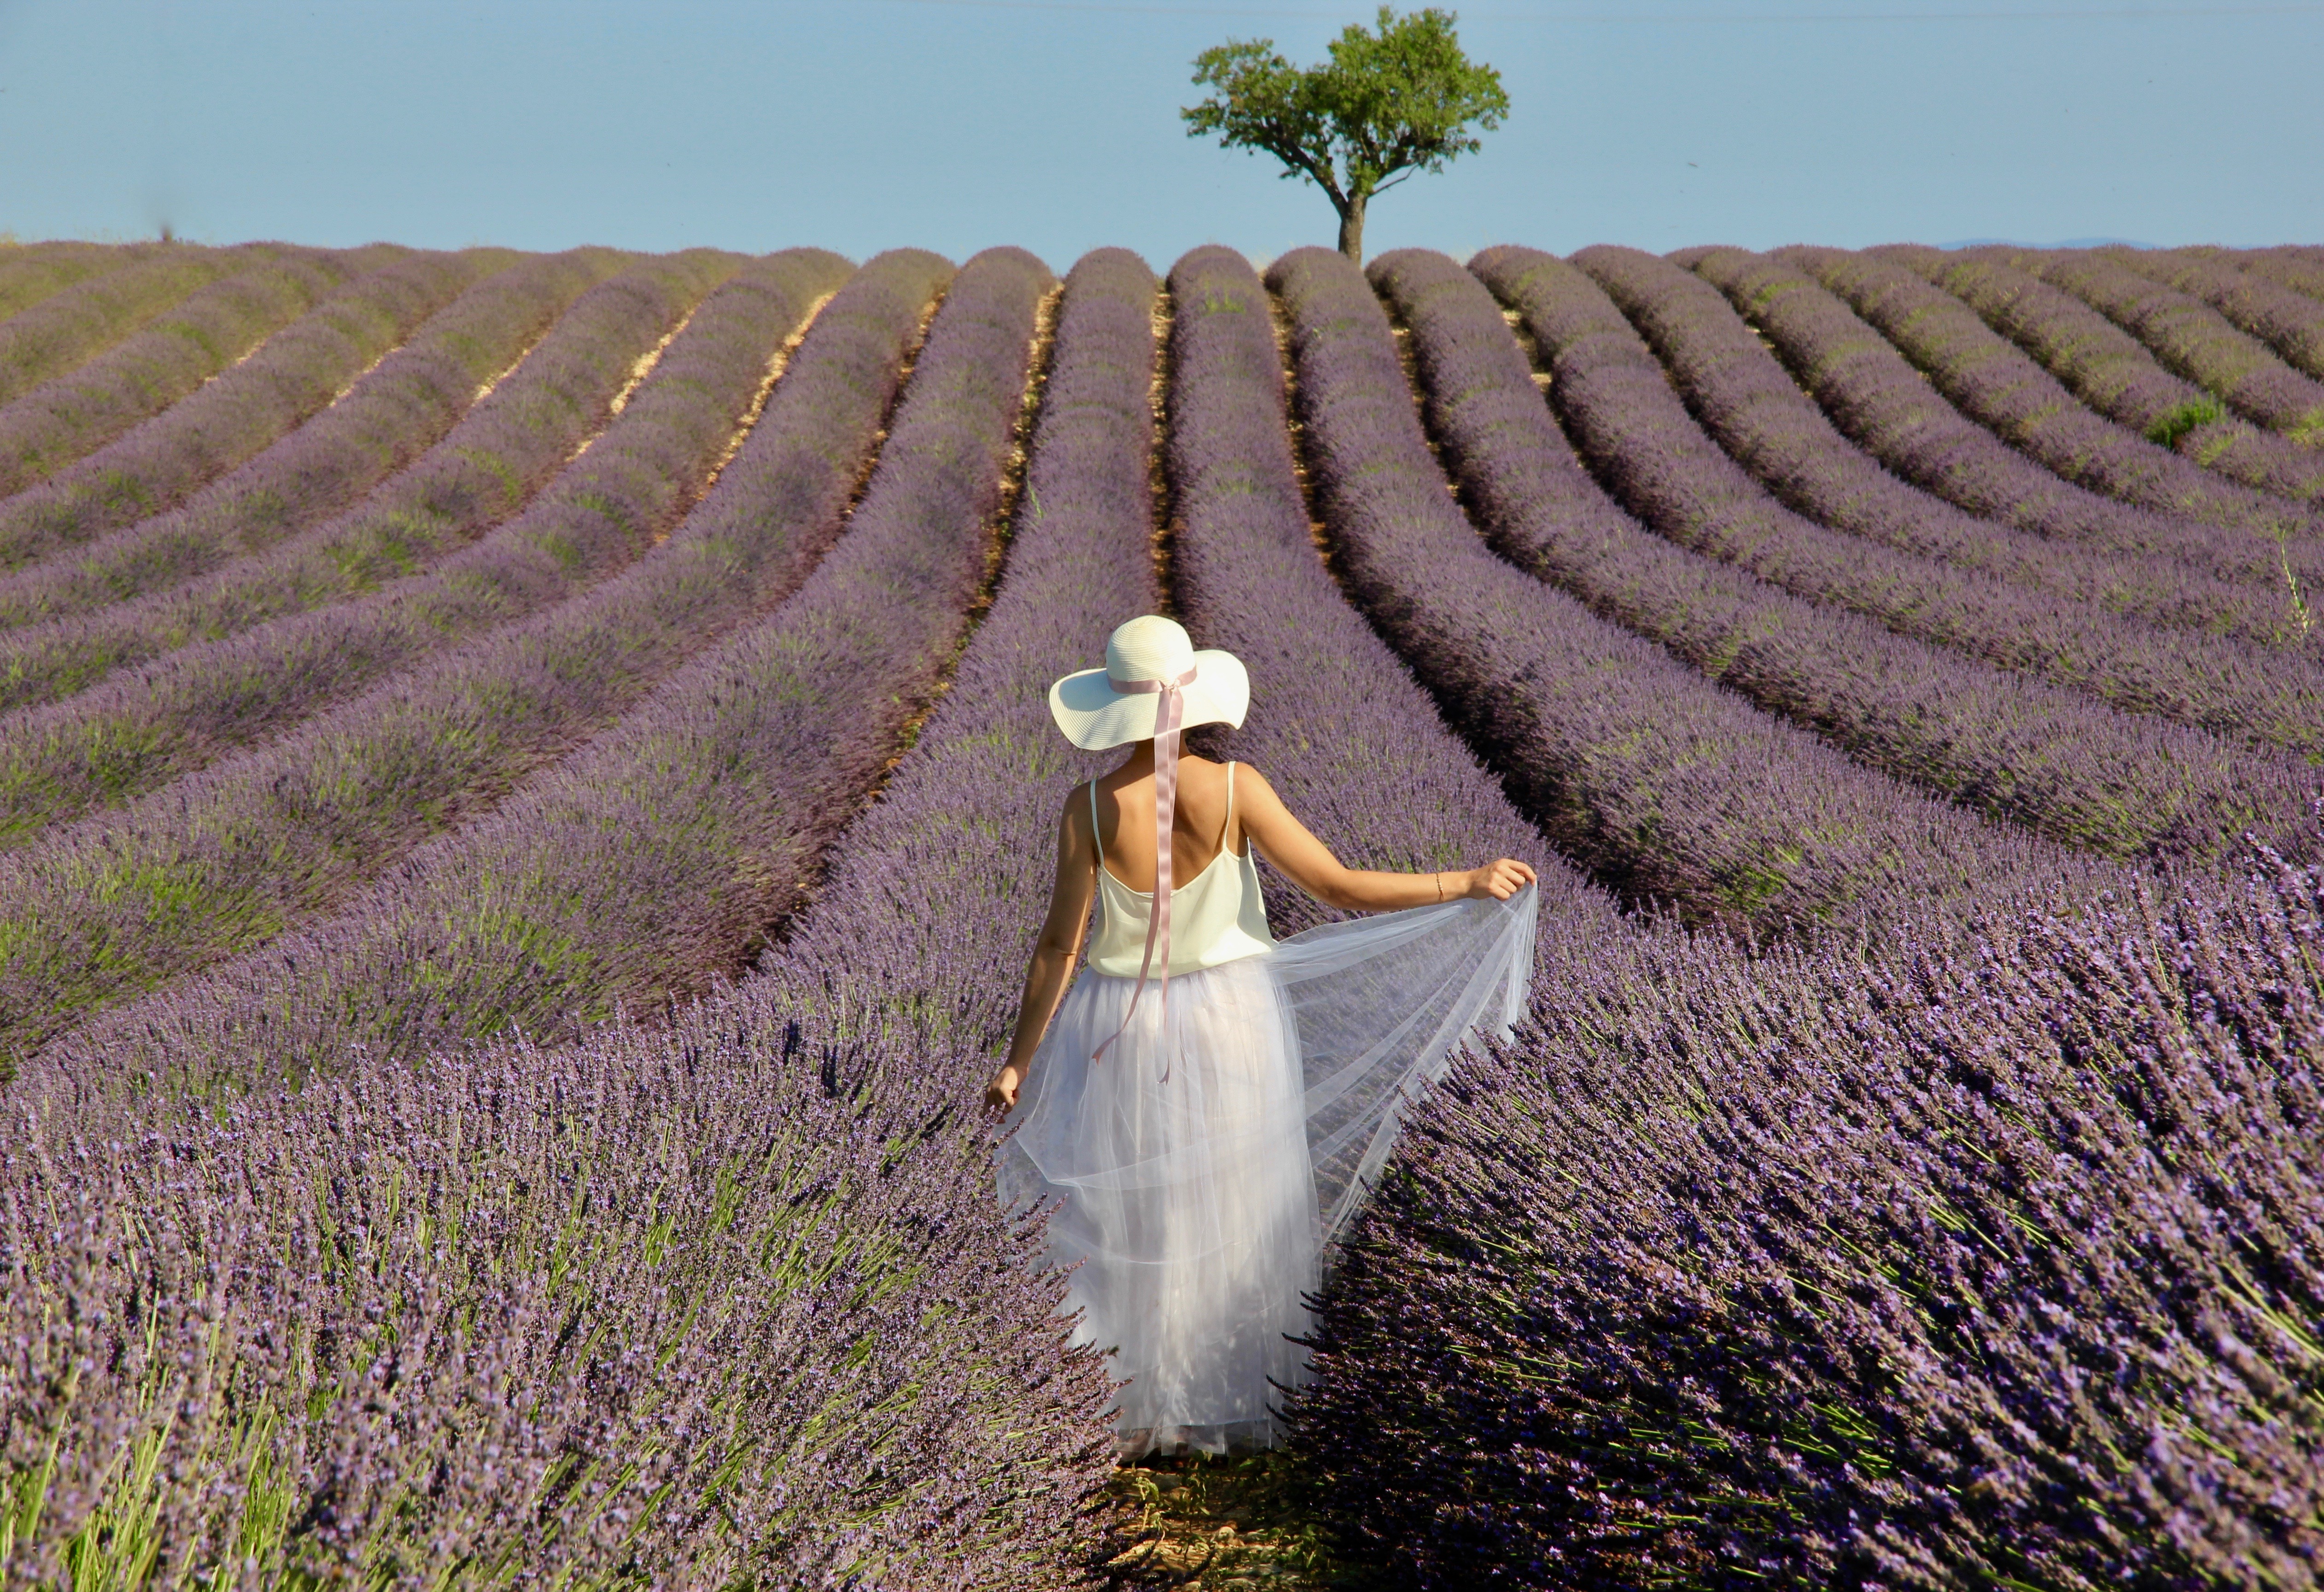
(525, 793)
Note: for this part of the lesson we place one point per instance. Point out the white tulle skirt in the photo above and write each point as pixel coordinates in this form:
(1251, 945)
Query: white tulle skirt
(1200, 1171)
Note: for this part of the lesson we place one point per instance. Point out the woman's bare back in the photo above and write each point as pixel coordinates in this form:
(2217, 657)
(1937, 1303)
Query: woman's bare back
(1200, 825)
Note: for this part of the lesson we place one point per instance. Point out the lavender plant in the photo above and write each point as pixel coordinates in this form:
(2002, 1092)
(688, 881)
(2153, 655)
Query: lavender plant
(300, 370)
(2113, 373)
(2107, 367)
(645, 867)
(671, 1308)
(514, 441)
(32, 273)
(1668, 786)
(2051, 760)
(1742, 396)
(75, 413)
(1969, 1266)
(2302, 271)
(106, 909)
(133, 734)
(394, 411)
(74, 325)
(2189, 332)
(2001, 389)
(1636, 433)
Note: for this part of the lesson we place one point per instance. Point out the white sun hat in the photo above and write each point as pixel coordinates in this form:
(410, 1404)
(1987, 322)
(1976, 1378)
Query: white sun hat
(1116, 705)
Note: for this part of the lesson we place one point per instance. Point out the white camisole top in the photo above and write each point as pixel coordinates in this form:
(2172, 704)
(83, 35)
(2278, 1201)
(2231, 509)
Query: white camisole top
(1216, 916)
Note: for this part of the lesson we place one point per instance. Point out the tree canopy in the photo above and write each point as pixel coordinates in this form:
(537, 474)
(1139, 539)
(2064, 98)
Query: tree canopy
(1384, 106)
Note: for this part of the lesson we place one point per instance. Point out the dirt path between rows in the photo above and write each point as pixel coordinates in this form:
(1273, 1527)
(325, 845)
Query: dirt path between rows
(1217, 1523)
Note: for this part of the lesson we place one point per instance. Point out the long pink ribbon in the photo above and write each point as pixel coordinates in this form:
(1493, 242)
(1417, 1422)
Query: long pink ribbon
(1166, 714)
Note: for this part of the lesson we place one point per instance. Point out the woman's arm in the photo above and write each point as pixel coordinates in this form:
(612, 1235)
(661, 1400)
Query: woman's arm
(1054, 953)
(1309, 863)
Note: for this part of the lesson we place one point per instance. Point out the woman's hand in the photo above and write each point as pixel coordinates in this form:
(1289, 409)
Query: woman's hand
(1001, 1094)
(1497, 879)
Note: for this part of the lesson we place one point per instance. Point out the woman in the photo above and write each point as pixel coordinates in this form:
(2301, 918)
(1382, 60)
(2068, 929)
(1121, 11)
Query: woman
(1207, 1103)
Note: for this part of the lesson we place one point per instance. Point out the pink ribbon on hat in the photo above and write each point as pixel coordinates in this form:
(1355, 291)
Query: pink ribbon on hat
(1166, 715)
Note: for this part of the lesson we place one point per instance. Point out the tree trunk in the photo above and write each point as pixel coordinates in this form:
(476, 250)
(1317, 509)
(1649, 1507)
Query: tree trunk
(1352, 229)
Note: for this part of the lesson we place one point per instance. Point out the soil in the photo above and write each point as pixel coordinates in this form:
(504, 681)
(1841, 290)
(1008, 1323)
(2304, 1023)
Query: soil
(1238, 1523)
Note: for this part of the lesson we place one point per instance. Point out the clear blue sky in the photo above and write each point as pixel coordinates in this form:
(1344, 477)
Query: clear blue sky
(957, 124)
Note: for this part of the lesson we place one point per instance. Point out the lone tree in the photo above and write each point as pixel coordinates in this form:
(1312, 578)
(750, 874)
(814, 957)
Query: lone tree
(1385, 105)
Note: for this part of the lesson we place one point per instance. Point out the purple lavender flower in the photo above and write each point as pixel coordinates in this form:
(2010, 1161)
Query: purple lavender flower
(1665, 784)
(1794, 641)
(165, 357)
(1965, 454)
(297, 372)
(2212, 325)
(397, 409)
(1744, 397)
(534, 423)
(225, 858)
(79, 319)
(1993, 1257)
(657, 859)
(32, 273)
(2111, 372)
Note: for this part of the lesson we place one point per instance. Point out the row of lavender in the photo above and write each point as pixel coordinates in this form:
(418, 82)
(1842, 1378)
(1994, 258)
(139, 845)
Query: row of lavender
(663, 1308)
(92, 306)
(2117, 374)
(661, 1312)
(224, 859)
(1944, 572)
(1953, 1269)
(647, 865)
(398, 408)
(2138, 629)
(330, 613)
(32, 273)
(291, 377)
(2078, 479)
(1665, 784)
(1867, 652)
(1571, 1347)
(565, 390)
(123, 347)
(2257, 346)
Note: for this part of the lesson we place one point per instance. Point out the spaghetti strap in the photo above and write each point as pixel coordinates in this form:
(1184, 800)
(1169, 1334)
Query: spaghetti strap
(1226, 824)
(1097, 841)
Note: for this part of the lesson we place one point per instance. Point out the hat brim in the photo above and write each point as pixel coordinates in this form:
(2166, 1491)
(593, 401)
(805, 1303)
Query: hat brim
(1094, 716)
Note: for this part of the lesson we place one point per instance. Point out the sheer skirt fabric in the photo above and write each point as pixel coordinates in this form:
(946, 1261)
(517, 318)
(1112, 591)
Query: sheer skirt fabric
(1202, 1168)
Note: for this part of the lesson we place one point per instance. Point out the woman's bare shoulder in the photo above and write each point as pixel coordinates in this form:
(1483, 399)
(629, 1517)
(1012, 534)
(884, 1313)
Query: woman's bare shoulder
(1249, 781)
(1214, 776)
